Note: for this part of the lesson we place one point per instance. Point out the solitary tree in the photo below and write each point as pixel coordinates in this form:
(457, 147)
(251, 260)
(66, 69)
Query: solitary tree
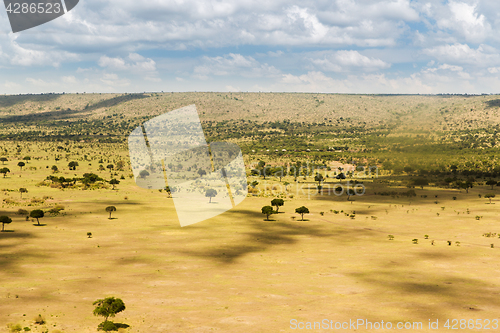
(277, 203)
(114, 182)
(72, 165)
(279, 172)
(143, 174)
(489, 196)
(110, 209)
(201, 172)
(37, 214)
(349, 193)
(340, 176)
(302, 210)
(23, 190)
(5, 220)
(108, 307)
(465, 185)
(4, 171)
(3, 159)
(110, 167)
(210, 193)
(54, 169)
(319, 178)
(20, 165)
(421, 182)
(268, 210)
(27, 158)
(491, 182)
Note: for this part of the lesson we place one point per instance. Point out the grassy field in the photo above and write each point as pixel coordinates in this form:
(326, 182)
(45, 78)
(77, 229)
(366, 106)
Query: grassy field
(238, 272)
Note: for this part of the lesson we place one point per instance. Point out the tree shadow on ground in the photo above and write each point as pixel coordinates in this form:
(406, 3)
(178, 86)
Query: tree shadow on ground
(68, 113)
(115, 101)
(493, 103)
(431, 293)
(267, 234)
(9, 256)
(7, 101)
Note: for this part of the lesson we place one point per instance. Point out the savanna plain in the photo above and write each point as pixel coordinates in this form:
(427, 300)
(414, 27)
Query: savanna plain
(417, 240)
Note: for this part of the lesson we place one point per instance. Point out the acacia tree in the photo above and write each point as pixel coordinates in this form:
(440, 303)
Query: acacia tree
(489, 196)
(4, 171)
(279, 172)
(349, 193)
(20, 165)
(3, 159)
(37, 214)
(201, 172)
(110, 209)
(491, 182)
(277, 203)
(5, 220)
(108, 307)
(465, 185)
(302, 210)
(210, 193)
(268, 210)
(23, 190)
(421, 182)
(72, 165)
(319, 178)
(114, 182)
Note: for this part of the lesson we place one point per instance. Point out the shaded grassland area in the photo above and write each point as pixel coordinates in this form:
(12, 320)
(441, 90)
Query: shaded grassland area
(238, 272)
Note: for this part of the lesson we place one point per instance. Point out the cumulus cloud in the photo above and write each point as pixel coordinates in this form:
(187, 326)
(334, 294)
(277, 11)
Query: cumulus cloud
(232, 64)
(464, 54)
(348, 60)
(114, 81)
(365, 46)
(134, 62)
(465, 20)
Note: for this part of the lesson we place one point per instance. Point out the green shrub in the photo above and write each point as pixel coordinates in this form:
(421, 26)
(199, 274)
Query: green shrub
(14, 328)
(107, 326)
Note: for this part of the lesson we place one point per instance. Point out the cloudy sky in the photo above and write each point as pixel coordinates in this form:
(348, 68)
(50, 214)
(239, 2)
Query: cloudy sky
(338, 46)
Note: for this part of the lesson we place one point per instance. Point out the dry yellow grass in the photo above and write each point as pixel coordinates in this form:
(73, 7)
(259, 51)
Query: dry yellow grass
(239, 273)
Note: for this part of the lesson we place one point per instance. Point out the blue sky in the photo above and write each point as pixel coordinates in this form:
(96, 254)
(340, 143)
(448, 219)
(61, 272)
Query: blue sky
(329, 46)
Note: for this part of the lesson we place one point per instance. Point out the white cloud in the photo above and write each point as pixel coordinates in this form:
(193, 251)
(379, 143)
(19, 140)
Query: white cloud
(135, 62)
(36, 82)
(114, 81)
(347, 60)
(233, 89)
(465, 20)
(69, 79)
(233, 64)
(464, 54)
